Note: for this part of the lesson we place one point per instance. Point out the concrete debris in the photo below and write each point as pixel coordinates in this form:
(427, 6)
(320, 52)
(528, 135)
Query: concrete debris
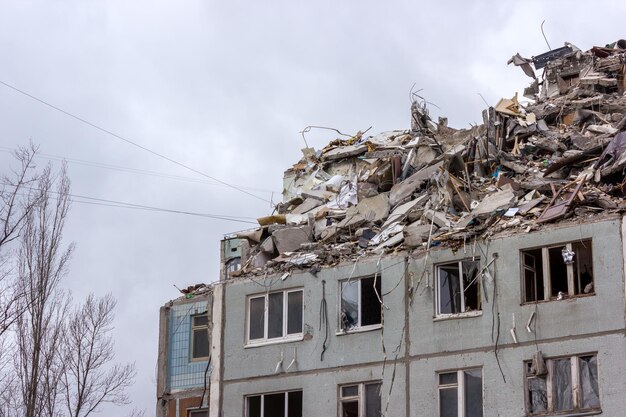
(560, 157)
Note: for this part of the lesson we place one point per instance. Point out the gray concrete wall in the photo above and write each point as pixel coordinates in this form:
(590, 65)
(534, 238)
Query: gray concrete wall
(587, 324)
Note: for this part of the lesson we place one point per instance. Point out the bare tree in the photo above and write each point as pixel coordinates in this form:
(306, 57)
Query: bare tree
(42, 263)
(89, 379)
(17, 200)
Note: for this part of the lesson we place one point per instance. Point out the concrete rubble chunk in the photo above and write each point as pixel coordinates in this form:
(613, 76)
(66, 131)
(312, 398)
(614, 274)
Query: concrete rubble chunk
(493, 202)
(403, 190)
(268, 245)
(307, 205)
(289, 239)
(374, 209)
(415, 234)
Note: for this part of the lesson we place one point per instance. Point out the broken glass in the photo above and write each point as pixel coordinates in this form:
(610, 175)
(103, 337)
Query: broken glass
(537, 395)
(350, 304)
(473, 393)
(471, 292)
(589, 382)
(562, 381)
(449, 289)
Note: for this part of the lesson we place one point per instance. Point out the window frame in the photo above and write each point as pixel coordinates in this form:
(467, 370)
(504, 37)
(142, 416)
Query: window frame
(359, 397)
(463, 313)
(460, 387)
(575, 391)
(358, 327)
(285, 317)
(193, 411)
(572, 278)
(192, 339)
(262, 395)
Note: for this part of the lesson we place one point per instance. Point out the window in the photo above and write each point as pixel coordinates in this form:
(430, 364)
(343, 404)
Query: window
(458, 289)
(562, 384)
(199, 336)
(360, 305)
(556, 272)
(281, 404)
(198, 413)
(461, 393)
(360, 400)
(275, 316)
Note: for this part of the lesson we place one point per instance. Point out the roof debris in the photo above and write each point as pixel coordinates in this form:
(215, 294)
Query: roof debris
(560, 157)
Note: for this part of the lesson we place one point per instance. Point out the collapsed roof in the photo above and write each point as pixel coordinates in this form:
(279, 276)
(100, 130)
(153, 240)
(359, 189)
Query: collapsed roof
(558, 158)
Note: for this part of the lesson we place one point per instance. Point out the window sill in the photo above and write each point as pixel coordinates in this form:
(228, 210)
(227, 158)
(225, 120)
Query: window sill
(565, 298)
(297, 338)
(359, 330)
(568, 414)
(443, 317)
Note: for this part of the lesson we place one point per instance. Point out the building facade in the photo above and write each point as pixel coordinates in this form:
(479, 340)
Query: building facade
(498, 328)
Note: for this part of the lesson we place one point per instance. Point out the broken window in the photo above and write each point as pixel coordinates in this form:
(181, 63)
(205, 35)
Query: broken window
(458, 287)
(360, 400)
(562, 384)
(461, 393)
(280, 404)
(199, 336)
(277, 315)
(204, 412)
(360, 303)
(558, 271)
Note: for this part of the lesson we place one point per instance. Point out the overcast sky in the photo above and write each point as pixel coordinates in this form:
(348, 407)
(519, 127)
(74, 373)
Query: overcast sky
(225, 87)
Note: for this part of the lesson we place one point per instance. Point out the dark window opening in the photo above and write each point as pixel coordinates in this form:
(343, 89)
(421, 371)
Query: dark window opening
(281, 404)
(566, 270)
(360, 305)
(458, 287)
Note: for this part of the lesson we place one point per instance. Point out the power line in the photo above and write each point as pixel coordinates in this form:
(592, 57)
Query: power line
(95, 126)
(122, 204)
(132, 170)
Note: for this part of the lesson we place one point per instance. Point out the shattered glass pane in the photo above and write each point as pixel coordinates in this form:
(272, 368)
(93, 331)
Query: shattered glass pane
(562, 381)
(537, 395)
(350, 408)
(471, 290)
(589, 382)
(372, 400)
(473, 393)
(449, 289)
(254, 406)
(257, 318)
(349, 304)
(370, 306)
(448, 402)
(294, 312)
(275, 315)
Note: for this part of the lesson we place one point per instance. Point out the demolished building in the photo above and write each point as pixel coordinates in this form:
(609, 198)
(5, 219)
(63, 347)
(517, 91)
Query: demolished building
(439, 272)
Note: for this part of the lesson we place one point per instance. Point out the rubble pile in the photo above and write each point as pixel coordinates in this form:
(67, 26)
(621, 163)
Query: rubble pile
(559, 158)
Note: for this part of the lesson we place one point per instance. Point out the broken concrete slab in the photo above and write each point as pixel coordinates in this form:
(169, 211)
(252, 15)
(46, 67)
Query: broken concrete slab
(415, 234)
(403, 190)
(374, 209)
(268, 245)
(307, 205)
(289, 239)
(497, 201)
